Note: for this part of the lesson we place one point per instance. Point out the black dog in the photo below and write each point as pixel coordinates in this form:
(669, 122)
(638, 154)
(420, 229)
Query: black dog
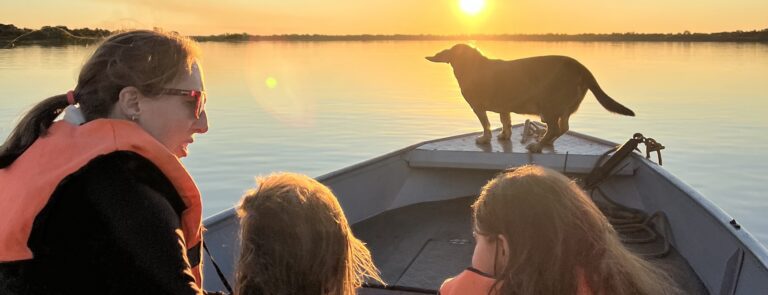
(549, 86)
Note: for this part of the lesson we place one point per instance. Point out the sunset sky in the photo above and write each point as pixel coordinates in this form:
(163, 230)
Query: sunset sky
(197, 17)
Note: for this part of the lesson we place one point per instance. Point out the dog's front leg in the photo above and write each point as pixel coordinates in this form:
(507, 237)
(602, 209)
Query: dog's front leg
(483, 117)
(506, 126)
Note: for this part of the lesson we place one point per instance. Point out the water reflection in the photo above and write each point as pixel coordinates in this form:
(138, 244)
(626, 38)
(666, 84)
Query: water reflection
(334, 104)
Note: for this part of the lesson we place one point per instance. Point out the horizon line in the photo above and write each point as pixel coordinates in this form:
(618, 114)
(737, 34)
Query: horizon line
(408, 34)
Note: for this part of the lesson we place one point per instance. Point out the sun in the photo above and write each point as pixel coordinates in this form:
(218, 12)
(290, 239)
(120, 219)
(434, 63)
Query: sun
(471, 7)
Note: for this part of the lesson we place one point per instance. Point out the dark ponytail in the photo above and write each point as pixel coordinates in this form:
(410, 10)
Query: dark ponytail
(34, 124)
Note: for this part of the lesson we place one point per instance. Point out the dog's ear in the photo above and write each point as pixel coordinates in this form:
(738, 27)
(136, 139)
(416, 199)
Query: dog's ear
(445, 56)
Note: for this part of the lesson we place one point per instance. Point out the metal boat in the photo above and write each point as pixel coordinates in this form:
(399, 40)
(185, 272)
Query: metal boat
(411, 207)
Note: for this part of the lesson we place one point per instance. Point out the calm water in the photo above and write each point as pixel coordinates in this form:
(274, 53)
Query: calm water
(314, 107)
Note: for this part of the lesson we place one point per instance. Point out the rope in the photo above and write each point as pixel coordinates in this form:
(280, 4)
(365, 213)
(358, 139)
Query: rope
(627, 220)
(532, 130)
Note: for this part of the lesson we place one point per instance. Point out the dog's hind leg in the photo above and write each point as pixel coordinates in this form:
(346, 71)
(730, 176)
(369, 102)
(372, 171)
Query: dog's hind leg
(506, 126)
(483, 117)
(553, 132)
(563, 123)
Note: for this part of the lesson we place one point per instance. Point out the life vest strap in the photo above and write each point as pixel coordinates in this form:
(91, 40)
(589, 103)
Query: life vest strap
(218, 270)
(193, 254)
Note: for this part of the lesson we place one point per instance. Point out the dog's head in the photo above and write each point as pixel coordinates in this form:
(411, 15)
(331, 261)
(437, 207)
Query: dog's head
(456, 53)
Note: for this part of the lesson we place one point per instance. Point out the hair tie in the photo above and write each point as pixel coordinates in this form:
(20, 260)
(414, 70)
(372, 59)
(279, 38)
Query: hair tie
(71, 97)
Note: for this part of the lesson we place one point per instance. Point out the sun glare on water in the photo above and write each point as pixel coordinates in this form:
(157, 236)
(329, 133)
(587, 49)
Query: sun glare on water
(472, 7)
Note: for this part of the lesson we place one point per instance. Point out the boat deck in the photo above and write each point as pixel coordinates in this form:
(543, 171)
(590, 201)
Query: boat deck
(571, 142)
(571, 153)
(417, 247)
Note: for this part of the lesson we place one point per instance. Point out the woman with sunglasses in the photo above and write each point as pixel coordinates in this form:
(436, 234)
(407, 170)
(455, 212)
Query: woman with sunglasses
(99, 203)
(537, 232)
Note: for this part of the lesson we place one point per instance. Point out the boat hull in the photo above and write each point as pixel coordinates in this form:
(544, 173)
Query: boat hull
(411, 207)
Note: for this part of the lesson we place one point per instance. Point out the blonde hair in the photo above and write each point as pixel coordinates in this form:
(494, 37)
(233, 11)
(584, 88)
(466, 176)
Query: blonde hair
(555, 231)
(296, 240)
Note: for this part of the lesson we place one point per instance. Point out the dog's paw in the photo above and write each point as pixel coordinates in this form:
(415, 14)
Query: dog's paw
(535, 147)
(504, 135)
(483, 139)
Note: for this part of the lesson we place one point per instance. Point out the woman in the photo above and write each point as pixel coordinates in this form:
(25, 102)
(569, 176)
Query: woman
(538, 233)
(106, 206)
(296, 240)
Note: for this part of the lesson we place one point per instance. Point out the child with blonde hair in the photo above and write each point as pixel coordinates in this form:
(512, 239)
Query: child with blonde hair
(296, 240)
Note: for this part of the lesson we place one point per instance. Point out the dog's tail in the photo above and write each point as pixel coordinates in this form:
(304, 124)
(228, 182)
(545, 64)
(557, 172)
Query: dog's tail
(606, 101)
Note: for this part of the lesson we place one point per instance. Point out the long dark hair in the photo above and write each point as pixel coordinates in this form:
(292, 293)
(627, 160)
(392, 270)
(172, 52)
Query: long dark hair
(296, 240)
(147, 60)
(555, 232)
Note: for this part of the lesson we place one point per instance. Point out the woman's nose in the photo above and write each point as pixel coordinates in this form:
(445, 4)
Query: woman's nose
(201, 124)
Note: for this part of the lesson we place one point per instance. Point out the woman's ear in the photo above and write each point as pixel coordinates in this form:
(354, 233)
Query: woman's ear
(504, 246)
(128, 106)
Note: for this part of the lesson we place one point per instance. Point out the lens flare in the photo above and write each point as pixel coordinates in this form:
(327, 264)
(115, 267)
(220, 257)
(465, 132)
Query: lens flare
(271, 82)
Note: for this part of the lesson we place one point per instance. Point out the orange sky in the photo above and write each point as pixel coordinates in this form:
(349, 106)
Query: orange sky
(197, 17)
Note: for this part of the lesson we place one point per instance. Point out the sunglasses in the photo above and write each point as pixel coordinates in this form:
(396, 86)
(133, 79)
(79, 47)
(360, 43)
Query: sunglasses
(199, 96)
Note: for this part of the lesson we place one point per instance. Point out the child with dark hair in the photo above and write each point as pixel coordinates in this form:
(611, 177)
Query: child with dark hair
(537, 232)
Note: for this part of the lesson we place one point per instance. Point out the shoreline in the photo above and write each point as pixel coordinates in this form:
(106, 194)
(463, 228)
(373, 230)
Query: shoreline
(11, 36)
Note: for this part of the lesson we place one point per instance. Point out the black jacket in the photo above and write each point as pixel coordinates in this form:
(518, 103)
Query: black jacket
(113, 227)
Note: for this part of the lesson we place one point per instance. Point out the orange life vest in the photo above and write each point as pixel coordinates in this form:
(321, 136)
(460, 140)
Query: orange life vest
(28, 183)
(472, 281)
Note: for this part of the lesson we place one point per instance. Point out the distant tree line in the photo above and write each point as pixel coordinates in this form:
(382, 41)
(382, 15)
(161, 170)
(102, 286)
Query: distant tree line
(49, 35)
(11, 35)
(225, 37)
(737, 36)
